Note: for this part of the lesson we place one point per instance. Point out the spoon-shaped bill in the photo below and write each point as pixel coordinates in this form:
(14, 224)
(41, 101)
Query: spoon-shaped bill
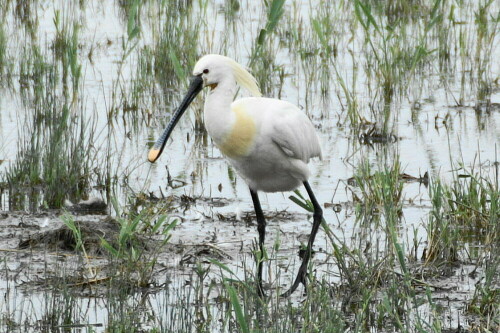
(194, 88)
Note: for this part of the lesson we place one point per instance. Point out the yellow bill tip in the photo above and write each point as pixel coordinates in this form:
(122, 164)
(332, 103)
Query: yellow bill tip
(153, 155)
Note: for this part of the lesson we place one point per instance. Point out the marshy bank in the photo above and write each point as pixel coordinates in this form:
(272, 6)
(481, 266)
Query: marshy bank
(405, 96)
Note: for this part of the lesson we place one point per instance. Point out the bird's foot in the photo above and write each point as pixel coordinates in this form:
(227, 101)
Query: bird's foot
(301, 278)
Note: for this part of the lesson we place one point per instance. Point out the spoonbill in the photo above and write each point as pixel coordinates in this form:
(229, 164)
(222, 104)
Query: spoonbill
(269, 142)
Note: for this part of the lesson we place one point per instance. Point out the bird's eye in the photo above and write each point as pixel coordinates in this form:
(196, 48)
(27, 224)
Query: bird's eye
(205, 71)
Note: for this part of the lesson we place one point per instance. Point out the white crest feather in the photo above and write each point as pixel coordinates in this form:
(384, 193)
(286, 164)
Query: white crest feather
(244, 78)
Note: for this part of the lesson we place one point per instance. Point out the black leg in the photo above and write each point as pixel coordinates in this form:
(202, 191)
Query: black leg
(261, 228)
(317, 218)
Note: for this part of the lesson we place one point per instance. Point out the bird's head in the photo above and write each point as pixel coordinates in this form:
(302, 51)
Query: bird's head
(214, 69)
(211, 70)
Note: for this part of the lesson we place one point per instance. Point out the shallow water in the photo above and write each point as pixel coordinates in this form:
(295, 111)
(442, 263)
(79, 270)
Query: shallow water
(432, 138)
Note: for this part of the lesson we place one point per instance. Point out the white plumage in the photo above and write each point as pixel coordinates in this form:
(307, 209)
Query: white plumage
(281, 142)
(268, 141)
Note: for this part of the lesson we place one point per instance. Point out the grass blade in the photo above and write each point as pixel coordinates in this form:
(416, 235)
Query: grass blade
(240, 316)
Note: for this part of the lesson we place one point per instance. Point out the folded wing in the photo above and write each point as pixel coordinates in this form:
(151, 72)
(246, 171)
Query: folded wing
(294, 133)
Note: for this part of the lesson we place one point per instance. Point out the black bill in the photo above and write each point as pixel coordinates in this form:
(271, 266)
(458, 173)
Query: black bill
(194, 88)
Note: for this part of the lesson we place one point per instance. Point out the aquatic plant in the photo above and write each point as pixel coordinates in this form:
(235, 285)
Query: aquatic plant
(3, 52)
(55, 157)
(82, 102)
(132, 262)
(381, 192)
(263, 55)
(393, 55)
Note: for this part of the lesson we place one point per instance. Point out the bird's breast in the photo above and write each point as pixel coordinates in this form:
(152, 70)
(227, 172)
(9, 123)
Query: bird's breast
(240, 138)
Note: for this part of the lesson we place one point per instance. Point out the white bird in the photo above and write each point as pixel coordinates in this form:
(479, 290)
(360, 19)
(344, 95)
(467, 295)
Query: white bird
(268, 141)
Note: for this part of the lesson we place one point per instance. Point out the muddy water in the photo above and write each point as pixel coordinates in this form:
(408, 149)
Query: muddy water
(431, 139)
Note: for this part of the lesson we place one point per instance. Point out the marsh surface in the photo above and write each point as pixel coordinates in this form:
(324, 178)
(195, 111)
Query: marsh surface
(405, 97)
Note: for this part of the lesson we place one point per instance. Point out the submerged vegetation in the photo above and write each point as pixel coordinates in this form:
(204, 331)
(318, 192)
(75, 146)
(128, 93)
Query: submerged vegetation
(396, 89)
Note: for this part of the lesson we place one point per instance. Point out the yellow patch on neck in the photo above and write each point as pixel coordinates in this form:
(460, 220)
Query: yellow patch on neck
(240, 138)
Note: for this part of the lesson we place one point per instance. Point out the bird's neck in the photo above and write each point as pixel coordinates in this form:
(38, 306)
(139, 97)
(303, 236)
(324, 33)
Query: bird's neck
(217, 113)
